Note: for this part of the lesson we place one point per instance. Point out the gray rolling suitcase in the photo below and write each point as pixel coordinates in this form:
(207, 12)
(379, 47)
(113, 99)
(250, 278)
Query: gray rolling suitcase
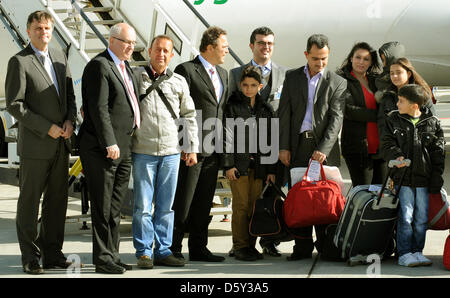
(367, 222)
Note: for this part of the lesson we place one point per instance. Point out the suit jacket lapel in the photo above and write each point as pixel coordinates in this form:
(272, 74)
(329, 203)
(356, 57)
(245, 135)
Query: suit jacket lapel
(275, 77)
(35, 60)
(303, 90)
(222, 76)
(322, 85)
(205, 76)
(60, 72)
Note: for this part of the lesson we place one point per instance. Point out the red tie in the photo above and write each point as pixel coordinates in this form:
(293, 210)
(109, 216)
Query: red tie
(215, 82)
(134, 102)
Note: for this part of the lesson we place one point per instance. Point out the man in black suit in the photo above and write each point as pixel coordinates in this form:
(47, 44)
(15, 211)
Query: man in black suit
(111, 114)
(262, 43)
(311, 113)
(39, 94)
(208, 84)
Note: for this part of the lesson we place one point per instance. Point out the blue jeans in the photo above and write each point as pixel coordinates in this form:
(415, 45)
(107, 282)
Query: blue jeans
(155, 178)
(412, 219)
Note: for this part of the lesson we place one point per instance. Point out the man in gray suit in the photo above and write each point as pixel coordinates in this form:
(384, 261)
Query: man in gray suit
(39, 94)
(311, 113)
(262, 44)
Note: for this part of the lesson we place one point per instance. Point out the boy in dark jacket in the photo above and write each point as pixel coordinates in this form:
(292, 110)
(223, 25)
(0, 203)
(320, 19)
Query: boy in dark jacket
(242, 159)
(414, 133)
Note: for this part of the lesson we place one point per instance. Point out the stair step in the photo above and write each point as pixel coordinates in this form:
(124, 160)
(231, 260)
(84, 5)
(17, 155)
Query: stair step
(86, 9)
(102, 22)
(98, 50)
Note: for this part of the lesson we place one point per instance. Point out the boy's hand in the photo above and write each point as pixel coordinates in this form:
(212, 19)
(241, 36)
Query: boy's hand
(401, 165)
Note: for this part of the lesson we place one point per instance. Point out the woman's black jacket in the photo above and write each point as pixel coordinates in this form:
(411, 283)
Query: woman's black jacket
(356, 116)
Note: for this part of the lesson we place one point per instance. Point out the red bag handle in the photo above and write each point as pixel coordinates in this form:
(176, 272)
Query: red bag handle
(322, 172)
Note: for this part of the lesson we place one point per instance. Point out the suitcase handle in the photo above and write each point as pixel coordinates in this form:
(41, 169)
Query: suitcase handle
(391, 166)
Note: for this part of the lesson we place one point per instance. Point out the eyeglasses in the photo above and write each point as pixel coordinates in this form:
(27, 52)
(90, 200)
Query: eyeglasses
(128, 42)
(263, 44)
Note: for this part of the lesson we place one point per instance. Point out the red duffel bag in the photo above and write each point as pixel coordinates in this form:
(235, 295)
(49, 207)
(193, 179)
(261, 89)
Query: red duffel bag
(313, 202)
(438, 211)
(446, 258)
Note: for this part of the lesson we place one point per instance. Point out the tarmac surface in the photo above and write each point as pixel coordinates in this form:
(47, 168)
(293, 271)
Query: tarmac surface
(78, 247)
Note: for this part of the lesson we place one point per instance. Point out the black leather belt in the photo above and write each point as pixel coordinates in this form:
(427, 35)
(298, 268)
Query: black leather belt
(308, 134)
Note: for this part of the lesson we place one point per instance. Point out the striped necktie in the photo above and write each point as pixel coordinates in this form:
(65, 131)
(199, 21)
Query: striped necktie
(134, 102)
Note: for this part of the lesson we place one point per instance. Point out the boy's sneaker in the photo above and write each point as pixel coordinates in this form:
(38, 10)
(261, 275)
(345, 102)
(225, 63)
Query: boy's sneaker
(423, 261)
(408, 260)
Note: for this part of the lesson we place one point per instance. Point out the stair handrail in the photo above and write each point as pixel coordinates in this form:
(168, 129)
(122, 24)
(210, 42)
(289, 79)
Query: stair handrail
(207, 25)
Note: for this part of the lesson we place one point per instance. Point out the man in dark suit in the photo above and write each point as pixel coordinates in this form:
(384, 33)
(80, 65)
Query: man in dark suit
(39, 94)
(311, 113)
(208, 84)
(111, 114)
(262, 43)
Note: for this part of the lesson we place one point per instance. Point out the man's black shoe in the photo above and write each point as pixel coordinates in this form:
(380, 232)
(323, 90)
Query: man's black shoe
(178, 255)
(125, 266)
(110, 268)
(59, 264)
(205, 256)
(295, 256)
(271, 250)
(33, 267)
(258, 255)
(244, 254)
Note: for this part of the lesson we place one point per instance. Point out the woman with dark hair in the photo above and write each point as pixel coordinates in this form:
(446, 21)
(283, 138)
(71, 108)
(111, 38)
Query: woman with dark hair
(402, 72)
(360, 137)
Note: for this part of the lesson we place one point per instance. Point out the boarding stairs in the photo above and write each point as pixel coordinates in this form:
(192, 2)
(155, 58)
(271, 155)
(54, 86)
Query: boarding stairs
(82, 31)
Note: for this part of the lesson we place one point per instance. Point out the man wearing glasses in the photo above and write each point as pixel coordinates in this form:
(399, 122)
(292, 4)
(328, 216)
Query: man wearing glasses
(111, 115)
(262, 44)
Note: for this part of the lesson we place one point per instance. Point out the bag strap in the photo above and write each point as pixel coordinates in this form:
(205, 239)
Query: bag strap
(155, 86)
(322, 172)
(440, 213)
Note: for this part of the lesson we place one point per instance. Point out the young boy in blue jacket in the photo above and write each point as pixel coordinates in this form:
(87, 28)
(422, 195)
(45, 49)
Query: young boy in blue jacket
(414, 133)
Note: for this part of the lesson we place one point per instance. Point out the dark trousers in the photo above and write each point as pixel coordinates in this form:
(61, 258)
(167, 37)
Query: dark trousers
(303, 236)
(193, 201)
(107, 183)
(366, 169)
(48, 176)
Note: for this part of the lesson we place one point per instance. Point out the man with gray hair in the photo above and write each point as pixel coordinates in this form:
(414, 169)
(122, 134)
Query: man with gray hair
(111, 115)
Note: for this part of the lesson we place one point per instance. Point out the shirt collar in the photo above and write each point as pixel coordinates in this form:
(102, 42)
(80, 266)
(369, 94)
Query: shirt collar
(154, 72)
(116, 60)
(267, 66)
(38, 52)
(205, 63)
(306, 70)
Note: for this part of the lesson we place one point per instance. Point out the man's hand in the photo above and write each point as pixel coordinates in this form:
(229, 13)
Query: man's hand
(113, 152)
(68, 129)
(270, 178)
(285, 157)
(319, 156)
(191, 159)
(231, 174)
(55, 131)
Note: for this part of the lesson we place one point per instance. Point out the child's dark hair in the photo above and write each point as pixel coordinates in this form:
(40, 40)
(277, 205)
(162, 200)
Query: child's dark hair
(252, 72)
(414, 94)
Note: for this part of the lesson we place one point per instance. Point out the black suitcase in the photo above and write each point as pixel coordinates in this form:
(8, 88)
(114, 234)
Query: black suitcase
(367, 222)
